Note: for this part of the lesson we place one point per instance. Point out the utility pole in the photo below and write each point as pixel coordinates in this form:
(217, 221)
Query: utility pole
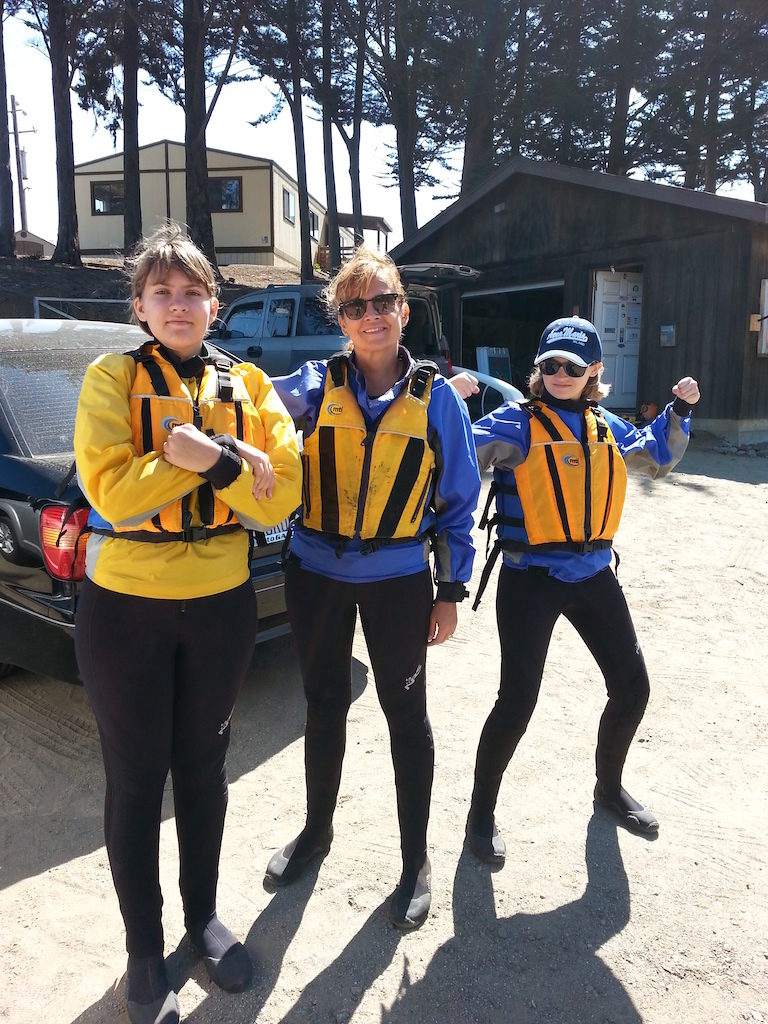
(19, 169)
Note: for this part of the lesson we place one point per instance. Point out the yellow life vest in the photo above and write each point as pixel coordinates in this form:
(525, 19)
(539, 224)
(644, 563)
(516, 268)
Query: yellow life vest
(571, 490)
(371, 482)
(160, 400)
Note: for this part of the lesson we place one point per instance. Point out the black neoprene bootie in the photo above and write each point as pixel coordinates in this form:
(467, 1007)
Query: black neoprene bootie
(411, 900)
(151, 1000)
(631, 813)
(225, 957)
(487, 845)
(288, 864)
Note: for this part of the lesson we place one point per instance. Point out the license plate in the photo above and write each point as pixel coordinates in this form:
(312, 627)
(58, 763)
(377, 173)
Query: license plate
(277, 533)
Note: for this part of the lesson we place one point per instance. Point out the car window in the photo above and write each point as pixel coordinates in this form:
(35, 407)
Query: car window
(279, 318)
(419, 334)
(246, 322)
(314, 318)
(40, 392)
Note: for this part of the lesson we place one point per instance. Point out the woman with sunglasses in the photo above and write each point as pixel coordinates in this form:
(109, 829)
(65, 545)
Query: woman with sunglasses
(560, 463)
(390, 472)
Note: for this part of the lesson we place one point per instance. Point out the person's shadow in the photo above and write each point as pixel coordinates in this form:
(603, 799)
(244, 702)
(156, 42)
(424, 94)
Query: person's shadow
(528, 968)
(524, 969)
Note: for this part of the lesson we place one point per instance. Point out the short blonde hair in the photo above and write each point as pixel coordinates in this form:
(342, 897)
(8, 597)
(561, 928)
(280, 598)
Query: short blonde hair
(594, 389)
(165, 248)
(356, 275)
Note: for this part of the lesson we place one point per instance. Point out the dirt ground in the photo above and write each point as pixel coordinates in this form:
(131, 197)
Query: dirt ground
(23, 279)
(585, 923)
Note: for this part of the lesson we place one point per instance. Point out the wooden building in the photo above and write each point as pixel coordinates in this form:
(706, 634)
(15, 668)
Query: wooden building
(676, 282)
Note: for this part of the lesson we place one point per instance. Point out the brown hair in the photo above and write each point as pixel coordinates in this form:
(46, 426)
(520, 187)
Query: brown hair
(594, 389)
(356, 275)
(167, 247)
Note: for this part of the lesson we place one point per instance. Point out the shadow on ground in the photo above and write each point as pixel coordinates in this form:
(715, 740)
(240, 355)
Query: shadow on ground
(523, 969)
(51, 803)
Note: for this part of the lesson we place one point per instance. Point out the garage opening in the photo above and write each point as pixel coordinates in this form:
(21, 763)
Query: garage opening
(511, 319)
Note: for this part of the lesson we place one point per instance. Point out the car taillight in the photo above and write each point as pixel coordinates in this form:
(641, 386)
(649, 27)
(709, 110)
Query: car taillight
(63, 544)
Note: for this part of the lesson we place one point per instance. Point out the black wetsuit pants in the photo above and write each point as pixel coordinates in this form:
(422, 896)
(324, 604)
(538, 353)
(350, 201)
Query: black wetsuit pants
(528, 603)
(395, 617)
(162, 677)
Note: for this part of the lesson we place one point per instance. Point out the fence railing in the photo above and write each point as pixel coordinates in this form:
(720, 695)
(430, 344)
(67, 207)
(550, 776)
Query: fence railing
(48, 307)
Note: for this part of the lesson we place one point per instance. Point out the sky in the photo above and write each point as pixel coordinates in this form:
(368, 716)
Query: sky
(29, 81)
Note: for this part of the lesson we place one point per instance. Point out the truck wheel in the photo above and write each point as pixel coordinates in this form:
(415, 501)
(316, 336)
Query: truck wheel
(10, 548)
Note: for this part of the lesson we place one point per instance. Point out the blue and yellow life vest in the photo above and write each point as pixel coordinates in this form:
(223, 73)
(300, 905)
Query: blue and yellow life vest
(160, 400)
(568, 494)
(374, 481)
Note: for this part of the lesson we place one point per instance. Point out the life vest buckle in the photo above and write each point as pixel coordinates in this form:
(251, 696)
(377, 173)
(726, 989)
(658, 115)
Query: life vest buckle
(192, 534)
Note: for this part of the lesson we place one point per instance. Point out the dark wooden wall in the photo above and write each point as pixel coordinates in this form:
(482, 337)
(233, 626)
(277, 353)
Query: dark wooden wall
(701, 271)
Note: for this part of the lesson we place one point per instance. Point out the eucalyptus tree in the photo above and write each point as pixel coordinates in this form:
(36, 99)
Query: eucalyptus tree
(401, 60)
(710, 121)
(65, 29)
(190, 45)
(276, 42)
(338, 85)
(7, 242)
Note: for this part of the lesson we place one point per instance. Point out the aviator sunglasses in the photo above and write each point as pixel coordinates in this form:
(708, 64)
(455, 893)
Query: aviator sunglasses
(549, 367)
(354, 309)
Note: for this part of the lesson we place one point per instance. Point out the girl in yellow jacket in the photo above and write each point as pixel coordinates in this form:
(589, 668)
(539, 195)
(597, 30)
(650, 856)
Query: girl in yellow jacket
(167, 614)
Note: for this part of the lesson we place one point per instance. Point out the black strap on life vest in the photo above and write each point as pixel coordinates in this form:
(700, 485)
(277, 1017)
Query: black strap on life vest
(336, 367)
(189, 535)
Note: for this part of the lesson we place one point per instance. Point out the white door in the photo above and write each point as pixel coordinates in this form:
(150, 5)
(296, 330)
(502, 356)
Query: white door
(617, 313)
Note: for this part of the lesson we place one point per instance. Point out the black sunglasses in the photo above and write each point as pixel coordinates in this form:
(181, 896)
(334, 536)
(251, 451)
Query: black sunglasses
(354, 309)
(549, 367)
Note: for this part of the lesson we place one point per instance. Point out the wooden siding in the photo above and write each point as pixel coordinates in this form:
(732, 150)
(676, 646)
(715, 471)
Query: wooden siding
(701, 271)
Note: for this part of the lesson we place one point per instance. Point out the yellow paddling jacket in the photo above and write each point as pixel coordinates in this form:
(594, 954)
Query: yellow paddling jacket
(568, 492)
(160, 400)
(371, 482)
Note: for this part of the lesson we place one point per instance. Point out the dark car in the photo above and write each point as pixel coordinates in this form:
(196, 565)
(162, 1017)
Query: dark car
(42, 364)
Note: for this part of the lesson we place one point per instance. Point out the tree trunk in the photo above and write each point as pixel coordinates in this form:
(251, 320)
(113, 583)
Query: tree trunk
(617, 150)
(357, 121)
(521, 68)
(332, 211)
(403, 104)
(132, 229)
(479, 149)
(67, 243)
(712, 123)
(697, 133)
(307, 267)
(7, 246)
(199, 221)
(572, 54)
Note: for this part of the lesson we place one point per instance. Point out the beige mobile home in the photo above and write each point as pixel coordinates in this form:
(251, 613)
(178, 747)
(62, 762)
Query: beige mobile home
(254, 204)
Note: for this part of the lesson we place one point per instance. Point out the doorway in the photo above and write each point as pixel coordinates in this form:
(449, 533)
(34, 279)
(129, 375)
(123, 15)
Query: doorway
(617, 308)
(512, 319)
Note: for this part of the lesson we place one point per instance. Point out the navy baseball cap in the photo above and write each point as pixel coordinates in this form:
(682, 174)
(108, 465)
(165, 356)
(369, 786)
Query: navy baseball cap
(572, 338)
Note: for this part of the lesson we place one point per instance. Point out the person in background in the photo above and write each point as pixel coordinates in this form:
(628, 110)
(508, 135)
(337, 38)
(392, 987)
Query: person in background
(389, 472)
(166, 618)
(560, 465)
